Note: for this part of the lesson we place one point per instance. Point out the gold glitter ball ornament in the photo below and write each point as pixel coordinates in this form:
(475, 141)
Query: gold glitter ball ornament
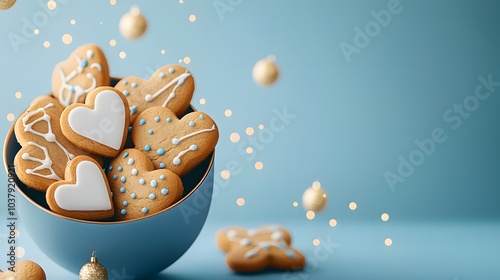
(93, 270)
(314, 198)
(6, 4)
(265, 72)
(133, 24)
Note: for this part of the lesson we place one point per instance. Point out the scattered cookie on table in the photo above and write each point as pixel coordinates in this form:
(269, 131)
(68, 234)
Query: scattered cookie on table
(84, 70)
(171, 86)
(177, 145)
(138, 189)
(84, 193)
(258, 249)
(24, 270)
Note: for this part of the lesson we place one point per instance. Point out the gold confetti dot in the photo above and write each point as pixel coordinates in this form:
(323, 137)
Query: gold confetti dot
(310, 215)
(259, 165)
(112, 2)
(240, 201)
(332, 222)
(123, 55)
(73, 22)
(295, 204)
(388, 242)
(225, 174)
(10, 117)
(112, 42)
(261, 126)
(316, 185)
(228, 113)
(46, 44)
(249, 131)
(353, 206)
(162, 51)
(180, 60)
(192, 18)
(249, 150)
(202, 101)
(20, 252)
(36, 31)
(234, 137)
(67, 39)
(181, 1)
(384, 217)
(316, 242)
(187, 60)
(51, 5)
(16, 233)
(19, 95)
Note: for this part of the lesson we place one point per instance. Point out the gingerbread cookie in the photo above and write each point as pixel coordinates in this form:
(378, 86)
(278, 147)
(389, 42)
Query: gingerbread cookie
(138, 189)
(177, 145)
(84, 70)
(84, 193)
(23, 270)
(101, 124)
(171, 86)
(45, 151)
(56, 108)
(258, 249)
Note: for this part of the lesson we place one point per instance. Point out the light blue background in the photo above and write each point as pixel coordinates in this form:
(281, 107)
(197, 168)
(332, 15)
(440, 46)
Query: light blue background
(352, 122)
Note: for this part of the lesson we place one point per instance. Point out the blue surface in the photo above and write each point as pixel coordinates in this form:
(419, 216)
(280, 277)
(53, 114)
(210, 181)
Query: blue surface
(356, 117)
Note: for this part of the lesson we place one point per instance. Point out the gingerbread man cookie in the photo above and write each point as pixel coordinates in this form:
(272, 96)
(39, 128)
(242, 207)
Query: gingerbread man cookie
(84, 70)
(84, 193)
(23, 270)
(45, 151)
(100, 125)
(177, 145)
(171, 86)
(258, 249)
(138, 189)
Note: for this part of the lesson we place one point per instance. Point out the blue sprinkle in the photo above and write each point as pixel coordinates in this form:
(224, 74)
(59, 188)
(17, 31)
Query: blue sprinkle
(162, 177)
(120, 168)
(160, 152)
(171, 70)
(161, 75)
(114, 176)
(169, 120)
(181, 82)
(282, 245)
(154, 183)
(72, 90)
(110, 167)
(125, 82)
(134, 85)
(147, 147)
(191, 123)
(123, 212)
(133, 195)
(193, 147)
(122, 189)
(150, 131)
(162, 165)
(123, 179)
(144, 210)
(265, 246)
(125, 92)
(152, 196)
(290, 254)
(157, 119)
(125, 155)
(130, 161)
(202, 117)
(125, 203)
(133, 110)
(84, 63)
(142, 121)
(142, 182)
(134, 171)
(164, 191)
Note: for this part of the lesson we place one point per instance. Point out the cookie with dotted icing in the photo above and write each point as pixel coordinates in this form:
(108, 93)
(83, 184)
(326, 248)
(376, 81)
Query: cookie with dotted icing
(258, 249)
(24, 269)
(45, 150)
(177, 145)
(171, 86)
(138, 189)
(84, 193)
(85, 69)
(100, 125)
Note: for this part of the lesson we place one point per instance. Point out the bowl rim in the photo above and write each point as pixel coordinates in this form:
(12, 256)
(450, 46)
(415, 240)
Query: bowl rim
(202, 180)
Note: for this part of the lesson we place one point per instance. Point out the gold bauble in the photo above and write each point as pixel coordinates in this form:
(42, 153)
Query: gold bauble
(93, 270)
(314, 198)
(133, 24)
(265, 72)
(6, 4)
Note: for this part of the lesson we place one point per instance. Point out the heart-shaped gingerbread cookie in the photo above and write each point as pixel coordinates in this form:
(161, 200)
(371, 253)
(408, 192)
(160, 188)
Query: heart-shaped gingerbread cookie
(138, 189)
(171, 86)
(101, 124)
(85, 192)
(177, 145)
(23, 270)
(84, 70)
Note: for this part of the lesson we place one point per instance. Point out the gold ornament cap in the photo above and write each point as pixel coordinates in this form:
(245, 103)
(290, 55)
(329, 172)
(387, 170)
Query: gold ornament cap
(93, 270)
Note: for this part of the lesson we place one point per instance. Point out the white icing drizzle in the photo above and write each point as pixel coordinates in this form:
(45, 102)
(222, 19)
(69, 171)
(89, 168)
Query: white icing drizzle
(176, 141)
(49, 136)
(276, 241)
(178, 81)
(46, 163)
(177, 159)
(76, 91)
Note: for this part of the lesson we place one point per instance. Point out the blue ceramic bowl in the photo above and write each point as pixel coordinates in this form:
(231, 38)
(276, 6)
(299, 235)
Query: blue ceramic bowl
(138, 248)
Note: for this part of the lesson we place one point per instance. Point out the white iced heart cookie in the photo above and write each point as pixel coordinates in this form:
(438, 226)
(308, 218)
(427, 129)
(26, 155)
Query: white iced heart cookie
(100, 125)
(85, 192)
